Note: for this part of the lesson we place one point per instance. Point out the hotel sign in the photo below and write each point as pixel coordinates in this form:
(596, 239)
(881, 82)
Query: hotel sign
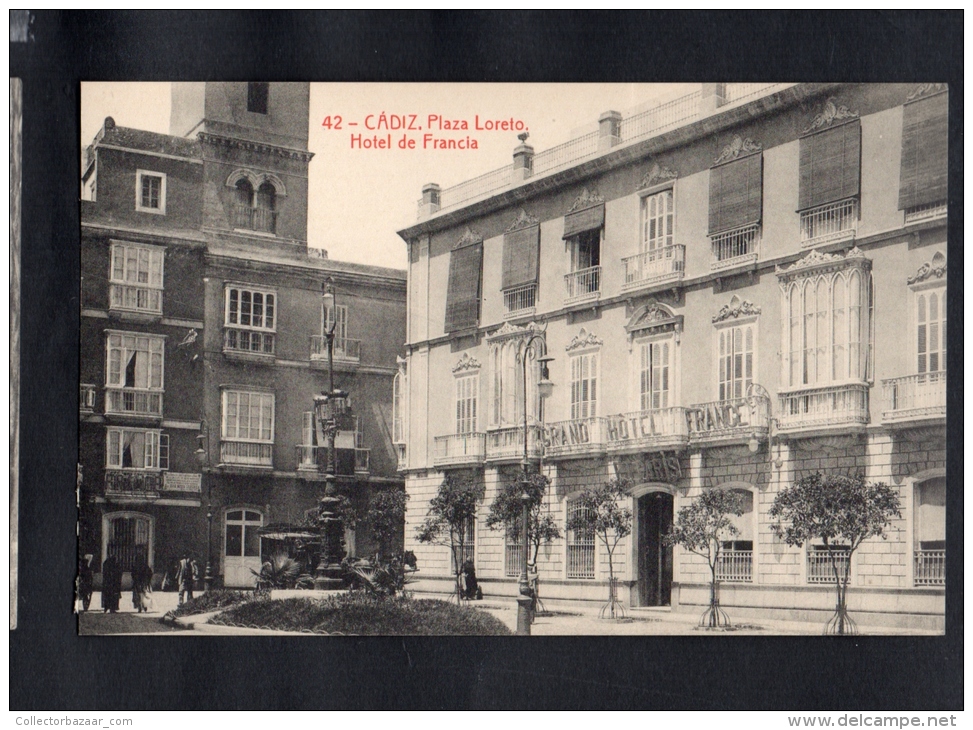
(661, 466)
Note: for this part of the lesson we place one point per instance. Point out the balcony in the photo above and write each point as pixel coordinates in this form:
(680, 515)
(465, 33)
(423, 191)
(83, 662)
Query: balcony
(461, 449)
(134, 298)
(520, 301)
(345, 350)
(247, 454)
(831, 223)
(507, 444)
(652, 429)
(247, 342)
(347, 462)
(928, 212)
(136, 484)
(914, 397)
(929, 568)
(735, 248)
(254, 219)
(583, 285)
(86, 398)
(661, 266)
(133, 402)
(735, 566)
(820, 569)
(575, 437)
(834, 406)
(728, 421)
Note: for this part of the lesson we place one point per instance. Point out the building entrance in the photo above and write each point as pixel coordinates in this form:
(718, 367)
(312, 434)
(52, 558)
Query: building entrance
(654, 557)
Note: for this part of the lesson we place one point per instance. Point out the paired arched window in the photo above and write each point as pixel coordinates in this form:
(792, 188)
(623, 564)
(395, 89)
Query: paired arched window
(255, 206)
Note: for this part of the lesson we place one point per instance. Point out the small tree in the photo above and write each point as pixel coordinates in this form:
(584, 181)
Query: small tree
(601, 513)
(701, 528)
(507, 512)
(450, 511)
(385, 517)
(842, 512)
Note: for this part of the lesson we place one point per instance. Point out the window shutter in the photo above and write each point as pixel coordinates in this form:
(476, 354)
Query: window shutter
(164, 451)
(463, 294)
(736, 194)
(830, 165)
(925, 131)
(586, 219)
(520, 255)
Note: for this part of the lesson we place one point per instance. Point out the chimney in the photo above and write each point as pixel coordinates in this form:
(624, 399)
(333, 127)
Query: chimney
(523, 161)
(711, 98)
(430, 200)
(609, 130)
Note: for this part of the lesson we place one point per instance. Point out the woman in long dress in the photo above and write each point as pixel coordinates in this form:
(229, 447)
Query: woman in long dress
(111, 584)
(141, 585)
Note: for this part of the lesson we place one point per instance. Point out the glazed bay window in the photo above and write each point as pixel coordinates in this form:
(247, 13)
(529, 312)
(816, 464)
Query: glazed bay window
(521, 249)
(249, 323)
(135, 282)
(923, 175)
(736, 204)
(150, 192)
(830, 183)
(827, 315)
(583, 227)
(134, 374)
(134, 459)
(247, 428)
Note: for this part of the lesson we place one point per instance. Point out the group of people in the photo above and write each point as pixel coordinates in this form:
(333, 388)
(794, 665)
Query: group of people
(186, 577)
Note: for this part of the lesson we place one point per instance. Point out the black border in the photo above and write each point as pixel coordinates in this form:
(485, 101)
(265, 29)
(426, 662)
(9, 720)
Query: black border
(52, 668)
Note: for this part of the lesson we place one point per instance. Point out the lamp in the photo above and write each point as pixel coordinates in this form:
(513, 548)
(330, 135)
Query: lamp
(202, 457)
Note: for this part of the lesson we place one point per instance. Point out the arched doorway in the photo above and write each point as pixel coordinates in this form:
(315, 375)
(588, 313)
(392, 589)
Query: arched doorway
(654, 559)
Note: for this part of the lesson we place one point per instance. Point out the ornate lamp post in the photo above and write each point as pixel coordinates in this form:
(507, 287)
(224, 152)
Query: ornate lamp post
(328, 407)
(544, 389)
(202, 456)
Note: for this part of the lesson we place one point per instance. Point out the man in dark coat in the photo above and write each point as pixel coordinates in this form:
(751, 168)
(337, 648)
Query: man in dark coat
(141, 584)
(111, 584)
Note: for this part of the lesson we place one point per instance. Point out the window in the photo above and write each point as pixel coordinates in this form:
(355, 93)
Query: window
(129, 448)
(463, 292)
(467, 388)
(513, 555)
(923, 176)
(584, 385)
(830, 183)
(255, 210)
(736, 204)
(344, 347)
(654, 382)
(931, 330)
(128, 538)
(508, 383)
(657, 215)
(582, 233)
(247, 428)
(134, 374)
(735, 361)
(136, 277)
(250, 320)
(580, 548)
(930, 533)
(468, 551)
(150, 192)
(258, 94)
(521, 250)
(820, 568)
(398, 409)
(736, 555)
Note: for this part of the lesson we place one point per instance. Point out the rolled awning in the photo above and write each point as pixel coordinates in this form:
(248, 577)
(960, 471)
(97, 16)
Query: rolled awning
(587, 219)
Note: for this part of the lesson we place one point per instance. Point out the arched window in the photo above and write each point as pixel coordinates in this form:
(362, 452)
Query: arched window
(929, 530)
(128, 537)
(265, 210)
(255, 210)
(506, 360)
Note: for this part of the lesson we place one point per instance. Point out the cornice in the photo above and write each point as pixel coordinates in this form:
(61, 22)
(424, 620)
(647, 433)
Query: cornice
(254, 146)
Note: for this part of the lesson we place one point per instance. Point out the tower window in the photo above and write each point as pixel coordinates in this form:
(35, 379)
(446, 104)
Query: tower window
(257, 95)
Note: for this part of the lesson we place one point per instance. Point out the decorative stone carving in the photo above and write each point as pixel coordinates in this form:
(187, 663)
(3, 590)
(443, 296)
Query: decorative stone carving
(735, 309)
(467, 362)
(656, 175)
(582, 340)
(524, 220)
(815, 259)
(831, 113)
(652, 313)
(925, 90)
(586, 200)
(469, 237)
(739, 146)
(935, 268)
(510, 331)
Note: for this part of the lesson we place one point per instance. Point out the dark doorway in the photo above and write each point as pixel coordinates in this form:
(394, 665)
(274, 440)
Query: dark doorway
(655, 558)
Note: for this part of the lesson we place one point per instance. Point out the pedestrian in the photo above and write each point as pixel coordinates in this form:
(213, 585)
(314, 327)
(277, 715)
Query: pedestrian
(141, 585)
(470, 585)
(185, 579)
(86, 581)
(111, 584)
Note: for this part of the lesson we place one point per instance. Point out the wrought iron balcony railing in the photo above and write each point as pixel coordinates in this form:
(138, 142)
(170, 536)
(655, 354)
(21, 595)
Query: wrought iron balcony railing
(255, 219)
(914, 397)
(927, 212)
(133, 401)
(345, 349)
(346, 461)
(929, 568)
(582, 285)
(735, 248)
(520, 300)
(459, 448)
(829, 406)
(829, 223)
(655, 267)
(820, 568)
(246, 453)
(146, 484)
(735, 566)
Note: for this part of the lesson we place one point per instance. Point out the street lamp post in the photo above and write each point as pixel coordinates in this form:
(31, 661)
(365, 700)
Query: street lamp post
(544, 389)
(202, 456)
(327, 408)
